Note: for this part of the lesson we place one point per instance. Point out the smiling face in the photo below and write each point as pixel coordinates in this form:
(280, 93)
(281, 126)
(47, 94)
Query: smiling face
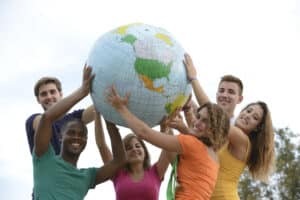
(135, 151)
(228, 96)
(201, 124)
(250, 118)
(74, 138)
(212, 125)
(48, 95)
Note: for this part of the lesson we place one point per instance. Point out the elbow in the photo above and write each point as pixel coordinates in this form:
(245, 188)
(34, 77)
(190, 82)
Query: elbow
(46, 116)
(142, 132)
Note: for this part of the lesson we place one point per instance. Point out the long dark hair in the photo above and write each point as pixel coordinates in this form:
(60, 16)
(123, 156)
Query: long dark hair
(262, 155)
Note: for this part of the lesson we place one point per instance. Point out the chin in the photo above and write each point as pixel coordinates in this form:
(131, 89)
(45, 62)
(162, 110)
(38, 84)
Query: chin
(75, 152)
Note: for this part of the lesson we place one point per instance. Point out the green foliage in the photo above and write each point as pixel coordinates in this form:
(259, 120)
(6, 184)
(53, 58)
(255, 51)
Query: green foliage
(285, 181)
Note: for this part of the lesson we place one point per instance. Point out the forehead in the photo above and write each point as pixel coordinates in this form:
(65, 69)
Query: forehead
(256, 109)
(74, 126)
(229, 85)
(133, 141)
(47, 86)
(203, 112)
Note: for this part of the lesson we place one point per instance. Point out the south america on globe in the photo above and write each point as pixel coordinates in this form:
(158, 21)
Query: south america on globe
(145, 61)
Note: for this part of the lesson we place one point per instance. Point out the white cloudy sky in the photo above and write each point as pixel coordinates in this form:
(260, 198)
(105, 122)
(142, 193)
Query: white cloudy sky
(257, 40)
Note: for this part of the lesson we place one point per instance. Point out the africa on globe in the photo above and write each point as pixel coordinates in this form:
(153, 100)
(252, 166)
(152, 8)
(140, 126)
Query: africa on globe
(145, 61)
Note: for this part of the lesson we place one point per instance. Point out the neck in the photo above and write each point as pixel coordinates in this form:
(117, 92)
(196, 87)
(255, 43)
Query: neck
(136, 168)
(70, 158)
(136, 171)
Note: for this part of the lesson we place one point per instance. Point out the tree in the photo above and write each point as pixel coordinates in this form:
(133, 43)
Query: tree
(285, 181)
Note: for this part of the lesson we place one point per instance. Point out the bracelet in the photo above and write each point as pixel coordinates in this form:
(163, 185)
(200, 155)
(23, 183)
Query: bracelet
(186, 109)
(192, 79)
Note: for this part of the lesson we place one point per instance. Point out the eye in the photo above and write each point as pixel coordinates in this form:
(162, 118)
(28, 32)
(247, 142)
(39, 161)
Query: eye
(43, 94)
(256, 118)
(128, 148)
(53, 91)
(71, 132)
(249, 110)
(221, 90)
(231, 92)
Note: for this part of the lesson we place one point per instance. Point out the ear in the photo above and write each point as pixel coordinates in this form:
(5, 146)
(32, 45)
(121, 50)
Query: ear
(38, 100)
(241, 98)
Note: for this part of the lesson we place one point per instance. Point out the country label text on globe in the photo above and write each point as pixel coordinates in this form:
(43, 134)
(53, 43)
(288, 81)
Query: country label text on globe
(147, 62)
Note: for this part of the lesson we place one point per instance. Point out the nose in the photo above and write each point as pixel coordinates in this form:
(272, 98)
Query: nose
(247, 116)
(48, 95)
(224, 94)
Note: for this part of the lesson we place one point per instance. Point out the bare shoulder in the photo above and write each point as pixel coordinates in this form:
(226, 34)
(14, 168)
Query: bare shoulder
(36, 121)
(238, 143)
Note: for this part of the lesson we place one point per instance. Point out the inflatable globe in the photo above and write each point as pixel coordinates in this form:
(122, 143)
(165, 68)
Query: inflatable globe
(145, 61)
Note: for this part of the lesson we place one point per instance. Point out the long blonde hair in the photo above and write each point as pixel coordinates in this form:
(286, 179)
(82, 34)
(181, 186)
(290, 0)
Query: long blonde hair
(127, 139)
(262, 155)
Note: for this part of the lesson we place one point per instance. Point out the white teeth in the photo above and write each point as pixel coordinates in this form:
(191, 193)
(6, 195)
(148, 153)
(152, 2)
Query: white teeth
(75, 144)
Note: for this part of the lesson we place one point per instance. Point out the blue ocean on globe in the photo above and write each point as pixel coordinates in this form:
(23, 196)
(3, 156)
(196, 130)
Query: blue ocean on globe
(145, 61)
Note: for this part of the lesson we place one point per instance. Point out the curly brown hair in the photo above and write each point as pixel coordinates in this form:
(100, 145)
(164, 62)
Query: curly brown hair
(262, 155)
(127, 139)
(218, 126)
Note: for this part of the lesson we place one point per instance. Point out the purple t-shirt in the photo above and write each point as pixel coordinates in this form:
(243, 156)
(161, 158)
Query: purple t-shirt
(57, 125)
(146, 189)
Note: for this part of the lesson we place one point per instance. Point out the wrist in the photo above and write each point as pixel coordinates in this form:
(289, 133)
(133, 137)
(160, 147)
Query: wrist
(191, 79)
(186, 108)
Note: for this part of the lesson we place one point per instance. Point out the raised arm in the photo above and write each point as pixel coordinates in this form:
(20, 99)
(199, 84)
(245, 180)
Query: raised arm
(201, 96)
(103, 148)
(119, 158)
(44, 130)
(141, 129)
(189, 109)
(165, 157)
(88, 114)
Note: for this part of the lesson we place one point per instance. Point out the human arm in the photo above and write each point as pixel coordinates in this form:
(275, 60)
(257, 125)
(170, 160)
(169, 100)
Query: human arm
(88, 114)
(189, 109)
(100, 140)
(119, 159)
(141, 129)
(238, 143)
(165, 157)
(199, 92)
(44, 131)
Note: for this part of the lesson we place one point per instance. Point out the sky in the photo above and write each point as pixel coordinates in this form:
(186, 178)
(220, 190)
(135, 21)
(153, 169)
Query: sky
(258, 41)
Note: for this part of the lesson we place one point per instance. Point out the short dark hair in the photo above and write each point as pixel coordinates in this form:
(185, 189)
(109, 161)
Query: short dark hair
(234, 79)
(46, 80)
(75, 120)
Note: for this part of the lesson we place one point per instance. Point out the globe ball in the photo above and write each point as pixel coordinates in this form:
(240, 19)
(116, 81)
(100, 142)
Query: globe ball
(145, 61)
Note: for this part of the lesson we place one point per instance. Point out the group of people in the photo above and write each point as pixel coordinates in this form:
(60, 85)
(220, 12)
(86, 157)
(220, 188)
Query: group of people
(208, 156)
